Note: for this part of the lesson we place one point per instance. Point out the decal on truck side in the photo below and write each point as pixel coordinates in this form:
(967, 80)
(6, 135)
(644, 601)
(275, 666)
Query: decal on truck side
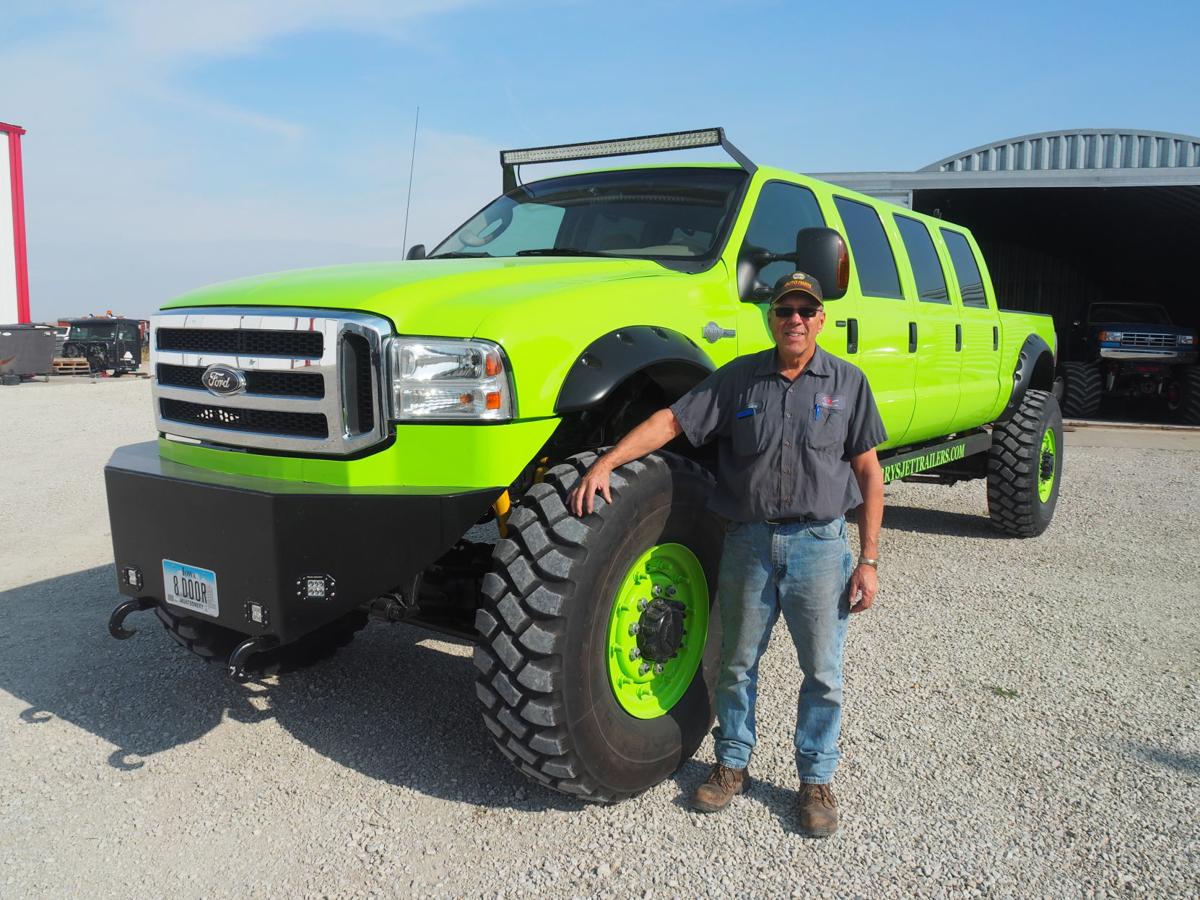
(939, 457)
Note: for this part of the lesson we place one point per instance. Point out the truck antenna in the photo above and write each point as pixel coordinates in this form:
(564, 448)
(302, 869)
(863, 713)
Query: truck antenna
(412, 160)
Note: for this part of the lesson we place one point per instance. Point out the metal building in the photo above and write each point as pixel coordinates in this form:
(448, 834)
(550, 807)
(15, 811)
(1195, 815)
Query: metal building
(1065, 218)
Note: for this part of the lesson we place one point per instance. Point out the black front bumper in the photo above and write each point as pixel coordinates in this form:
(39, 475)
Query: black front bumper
(262, 537)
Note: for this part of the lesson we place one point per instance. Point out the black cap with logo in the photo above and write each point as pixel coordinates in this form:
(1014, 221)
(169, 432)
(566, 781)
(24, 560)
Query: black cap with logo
(797, 283)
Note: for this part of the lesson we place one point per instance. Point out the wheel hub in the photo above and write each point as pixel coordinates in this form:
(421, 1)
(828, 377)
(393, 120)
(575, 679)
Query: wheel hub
(660, 630)
(1047, 465)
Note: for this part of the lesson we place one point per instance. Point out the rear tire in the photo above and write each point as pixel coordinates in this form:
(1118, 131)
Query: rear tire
(1025, 466)
(1083, 389)
(547, 656)
(214, 643)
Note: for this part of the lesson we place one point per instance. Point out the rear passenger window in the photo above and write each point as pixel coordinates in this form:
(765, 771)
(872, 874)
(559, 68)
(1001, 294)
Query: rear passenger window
(931, 280)
(782, 210)
(870, 249)
(970, 282)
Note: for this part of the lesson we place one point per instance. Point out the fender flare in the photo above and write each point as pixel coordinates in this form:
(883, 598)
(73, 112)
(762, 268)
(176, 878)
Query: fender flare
(1034, 351)
(614, 357)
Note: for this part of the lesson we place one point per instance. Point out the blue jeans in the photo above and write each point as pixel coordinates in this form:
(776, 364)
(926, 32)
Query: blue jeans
(802, 570)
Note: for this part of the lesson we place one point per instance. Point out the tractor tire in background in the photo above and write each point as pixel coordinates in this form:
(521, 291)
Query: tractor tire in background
(214, 643)
(1083, 389)
(599, 636)
(1025, 466)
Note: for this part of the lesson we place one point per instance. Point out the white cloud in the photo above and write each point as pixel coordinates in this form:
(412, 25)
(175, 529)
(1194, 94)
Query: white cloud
(124, 211)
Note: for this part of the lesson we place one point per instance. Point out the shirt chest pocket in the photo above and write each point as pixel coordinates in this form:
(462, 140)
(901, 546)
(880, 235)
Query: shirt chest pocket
(750, 433)
(826, 432)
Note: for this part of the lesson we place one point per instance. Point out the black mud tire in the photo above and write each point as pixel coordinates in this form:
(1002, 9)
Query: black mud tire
(1014, 465)
(543, 678)
(1083, 389)
(213, 643)
(1189, 400)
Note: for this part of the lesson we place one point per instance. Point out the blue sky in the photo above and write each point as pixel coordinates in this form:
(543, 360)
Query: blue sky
(175, 144)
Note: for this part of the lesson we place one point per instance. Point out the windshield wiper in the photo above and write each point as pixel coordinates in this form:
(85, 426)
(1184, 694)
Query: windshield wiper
(560, 251)
(458, 254)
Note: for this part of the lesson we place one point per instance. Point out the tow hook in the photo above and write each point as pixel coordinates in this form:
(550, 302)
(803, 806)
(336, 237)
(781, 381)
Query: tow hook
(119, 631)
(236, 667)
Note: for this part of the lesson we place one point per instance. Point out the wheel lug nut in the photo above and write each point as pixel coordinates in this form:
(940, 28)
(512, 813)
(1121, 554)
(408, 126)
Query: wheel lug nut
(658, 668)
(643, 668)
(671, 591)
(643, 603)
(635, 628)
(635, 653)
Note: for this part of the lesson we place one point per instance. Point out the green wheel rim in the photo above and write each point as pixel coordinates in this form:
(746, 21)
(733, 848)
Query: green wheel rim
(1047, 465)
(673, 573)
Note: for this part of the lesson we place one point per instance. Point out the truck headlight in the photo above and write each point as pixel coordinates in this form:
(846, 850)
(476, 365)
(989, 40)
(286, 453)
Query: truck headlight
(1189, 339)
(449, 379)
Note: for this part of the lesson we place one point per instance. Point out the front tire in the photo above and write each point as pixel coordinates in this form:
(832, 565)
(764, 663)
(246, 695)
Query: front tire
(1083, 389)
(563, 694)
(1025, 466)
(1189, 400)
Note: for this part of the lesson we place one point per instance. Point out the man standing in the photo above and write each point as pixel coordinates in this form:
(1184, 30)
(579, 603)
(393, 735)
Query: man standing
(797, 430)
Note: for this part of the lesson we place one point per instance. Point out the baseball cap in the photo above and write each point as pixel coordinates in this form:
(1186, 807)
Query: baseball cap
(797, 282)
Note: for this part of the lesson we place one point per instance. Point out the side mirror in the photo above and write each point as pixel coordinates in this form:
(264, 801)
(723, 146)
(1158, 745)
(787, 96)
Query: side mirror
(416, 251)
(822, 253)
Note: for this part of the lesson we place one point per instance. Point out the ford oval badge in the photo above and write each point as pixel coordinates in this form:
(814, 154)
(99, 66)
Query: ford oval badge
(223, 381)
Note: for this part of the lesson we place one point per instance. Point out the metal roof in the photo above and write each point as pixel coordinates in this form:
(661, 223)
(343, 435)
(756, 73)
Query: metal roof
(1099, 148)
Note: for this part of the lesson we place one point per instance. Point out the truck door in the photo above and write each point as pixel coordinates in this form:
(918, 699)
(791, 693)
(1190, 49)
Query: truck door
(978, 337)
(877, 332)
(933, 333)
(781, 210)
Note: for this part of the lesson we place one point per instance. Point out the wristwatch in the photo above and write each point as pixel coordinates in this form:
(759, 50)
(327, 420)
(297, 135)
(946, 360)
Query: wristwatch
(868, 561)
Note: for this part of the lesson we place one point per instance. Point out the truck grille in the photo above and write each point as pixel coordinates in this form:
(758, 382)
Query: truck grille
(1148, 340)
(311, 379)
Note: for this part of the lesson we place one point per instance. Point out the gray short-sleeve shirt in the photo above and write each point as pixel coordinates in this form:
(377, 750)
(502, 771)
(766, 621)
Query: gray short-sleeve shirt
(783, 446)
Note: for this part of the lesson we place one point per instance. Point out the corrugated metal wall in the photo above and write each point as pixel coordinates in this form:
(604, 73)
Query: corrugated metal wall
(1077, 150)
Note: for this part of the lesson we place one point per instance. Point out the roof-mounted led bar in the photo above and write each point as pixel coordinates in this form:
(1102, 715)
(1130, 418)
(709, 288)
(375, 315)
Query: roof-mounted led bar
(650, 143)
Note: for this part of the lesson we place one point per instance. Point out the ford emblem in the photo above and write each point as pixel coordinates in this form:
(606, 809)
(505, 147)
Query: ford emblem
(223, 381)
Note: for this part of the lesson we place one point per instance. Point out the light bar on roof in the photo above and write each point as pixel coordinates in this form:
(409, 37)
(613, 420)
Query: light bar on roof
(650, 143)
(653, 143)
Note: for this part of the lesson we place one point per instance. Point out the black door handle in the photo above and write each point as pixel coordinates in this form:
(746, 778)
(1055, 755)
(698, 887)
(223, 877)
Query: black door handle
(912, 337)
(852, 335)
(957, 338)
(995, 337)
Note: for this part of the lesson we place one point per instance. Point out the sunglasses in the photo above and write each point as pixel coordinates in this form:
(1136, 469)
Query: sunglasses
(786, 312)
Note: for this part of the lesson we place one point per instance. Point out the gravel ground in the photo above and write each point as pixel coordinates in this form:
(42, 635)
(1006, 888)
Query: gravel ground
(1021, 718)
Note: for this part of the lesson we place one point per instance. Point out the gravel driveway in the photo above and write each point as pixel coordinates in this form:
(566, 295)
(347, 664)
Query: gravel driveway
(1021, 718)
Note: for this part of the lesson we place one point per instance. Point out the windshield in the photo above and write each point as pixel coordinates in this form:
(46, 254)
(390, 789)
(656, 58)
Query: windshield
(1131, 313)
(92, 332)
(676, 213)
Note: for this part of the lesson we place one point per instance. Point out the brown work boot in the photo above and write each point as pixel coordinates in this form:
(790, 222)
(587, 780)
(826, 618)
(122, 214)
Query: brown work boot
(722, 785)
(818, 810)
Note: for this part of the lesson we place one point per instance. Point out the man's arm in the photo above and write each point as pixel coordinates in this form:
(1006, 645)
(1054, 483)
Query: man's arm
(864, 581)
(658, 430)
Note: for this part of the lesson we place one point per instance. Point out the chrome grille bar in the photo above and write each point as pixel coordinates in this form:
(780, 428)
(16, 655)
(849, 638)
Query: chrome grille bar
(335, 329)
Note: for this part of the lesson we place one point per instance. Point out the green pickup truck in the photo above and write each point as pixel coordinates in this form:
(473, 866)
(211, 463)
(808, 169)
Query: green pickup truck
(396, 441)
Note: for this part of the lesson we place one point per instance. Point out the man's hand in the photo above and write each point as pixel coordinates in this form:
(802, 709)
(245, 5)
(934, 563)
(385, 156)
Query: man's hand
(655, 432)
(864, 582)
(595, 480)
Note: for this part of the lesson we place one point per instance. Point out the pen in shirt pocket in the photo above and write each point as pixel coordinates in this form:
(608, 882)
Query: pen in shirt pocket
(750, 409)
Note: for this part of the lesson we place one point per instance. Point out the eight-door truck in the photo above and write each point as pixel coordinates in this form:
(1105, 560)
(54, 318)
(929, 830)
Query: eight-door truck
(329, 440)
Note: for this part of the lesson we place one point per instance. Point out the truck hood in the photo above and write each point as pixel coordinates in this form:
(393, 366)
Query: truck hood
(429, 297)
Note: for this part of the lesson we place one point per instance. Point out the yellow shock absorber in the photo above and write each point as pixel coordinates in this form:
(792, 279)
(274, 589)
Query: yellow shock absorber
(502, 507)
(539, 474)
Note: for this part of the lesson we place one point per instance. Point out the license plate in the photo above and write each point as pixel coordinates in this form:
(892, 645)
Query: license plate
(191, 587)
